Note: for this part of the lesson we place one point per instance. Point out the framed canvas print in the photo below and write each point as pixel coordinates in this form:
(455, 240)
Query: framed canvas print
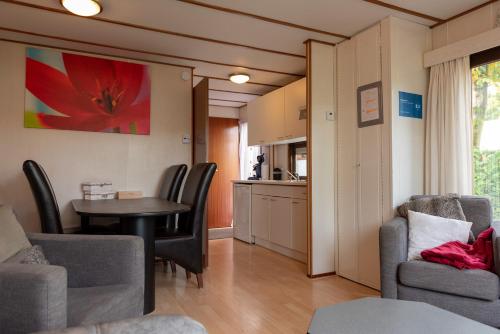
(370, 111)
(74, 92)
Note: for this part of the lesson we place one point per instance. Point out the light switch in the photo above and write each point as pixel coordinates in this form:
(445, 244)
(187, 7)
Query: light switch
(330, 115)
(186, 139)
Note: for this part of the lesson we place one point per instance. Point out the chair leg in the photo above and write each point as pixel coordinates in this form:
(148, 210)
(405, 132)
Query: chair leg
(199, 278)
(188, 274)
(173, 267)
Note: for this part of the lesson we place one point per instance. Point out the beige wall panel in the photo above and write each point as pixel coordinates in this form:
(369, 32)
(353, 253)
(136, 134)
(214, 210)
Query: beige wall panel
(347, 161)
(72, 157)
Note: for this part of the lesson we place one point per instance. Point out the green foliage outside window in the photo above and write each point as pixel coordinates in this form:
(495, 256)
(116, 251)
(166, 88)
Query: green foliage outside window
(486, 107)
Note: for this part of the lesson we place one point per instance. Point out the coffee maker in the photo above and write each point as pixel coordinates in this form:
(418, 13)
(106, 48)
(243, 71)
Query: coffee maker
(257, 168)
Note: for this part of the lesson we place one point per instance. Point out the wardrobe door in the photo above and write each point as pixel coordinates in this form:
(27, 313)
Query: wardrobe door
(368, 58)
(347, 161)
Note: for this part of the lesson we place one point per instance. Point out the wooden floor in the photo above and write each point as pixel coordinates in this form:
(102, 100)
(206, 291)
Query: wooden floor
(249, 289)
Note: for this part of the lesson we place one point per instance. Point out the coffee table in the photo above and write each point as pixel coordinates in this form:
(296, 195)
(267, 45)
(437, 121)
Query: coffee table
(391, 316)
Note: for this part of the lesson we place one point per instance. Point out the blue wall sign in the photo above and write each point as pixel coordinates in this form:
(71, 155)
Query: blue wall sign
(410, 105)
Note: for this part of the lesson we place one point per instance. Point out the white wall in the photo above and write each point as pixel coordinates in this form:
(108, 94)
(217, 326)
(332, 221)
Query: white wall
(223, 112)
(280, 160)
(322, 158)
(243, 112)
(408, 42)
(70, 157)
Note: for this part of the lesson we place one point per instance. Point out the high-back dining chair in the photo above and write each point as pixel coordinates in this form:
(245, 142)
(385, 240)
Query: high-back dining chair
(186, 246)
(45, 198)
(169, 191)
(46, 202)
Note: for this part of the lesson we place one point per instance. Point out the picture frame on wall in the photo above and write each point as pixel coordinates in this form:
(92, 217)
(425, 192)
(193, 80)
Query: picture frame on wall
(370, 108)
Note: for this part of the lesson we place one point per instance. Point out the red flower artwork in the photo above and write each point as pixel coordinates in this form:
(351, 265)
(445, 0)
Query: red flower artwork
(94, 94)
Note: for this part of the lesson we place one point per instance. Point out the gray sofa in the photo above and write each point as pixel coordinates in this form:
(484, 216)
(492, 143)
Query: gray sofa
(472, 293)
(157, 324)
(90, 279)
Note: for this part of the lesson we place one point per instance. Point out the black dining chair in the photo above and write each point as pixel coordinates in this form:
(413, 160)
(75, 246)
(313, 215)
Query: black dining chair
(46, 202)
(185, 246)
(45, 198)
(170, 188)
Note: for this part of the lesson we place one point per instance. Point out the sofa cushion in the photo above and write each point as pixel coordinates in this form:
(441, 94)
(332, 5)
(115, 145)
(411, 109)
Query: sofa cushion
(12, 239)
(427, 231)
(30, 255)
(87, 306)
(480, 284)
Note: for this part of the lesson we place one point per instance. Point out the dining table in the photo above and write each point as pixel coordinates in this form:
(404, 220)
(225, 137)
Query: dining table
(137, 216)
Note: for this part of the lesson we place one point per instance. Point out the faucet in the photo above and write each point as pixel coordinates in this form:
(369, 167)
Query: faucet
(292, 176)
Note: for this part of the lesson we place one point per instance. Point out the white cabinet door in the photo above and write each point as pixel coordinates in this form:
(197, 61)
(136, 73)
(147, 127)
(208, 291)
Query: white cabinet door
(295, 102)
(272, 117)
(298, 238)
(242, 198)
(280, 221)
(255, 112)
(260, 216)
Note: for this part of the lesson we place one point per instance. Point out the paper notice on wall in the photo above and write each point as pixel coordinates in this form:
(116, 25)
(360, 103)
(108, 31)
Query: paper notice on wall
(369, 105)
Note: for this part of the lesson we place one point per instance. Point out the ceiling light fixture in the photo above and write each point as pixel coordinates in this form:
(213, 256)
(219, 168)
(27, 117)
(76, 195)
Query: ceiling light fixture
(82, 7)
(239, 78)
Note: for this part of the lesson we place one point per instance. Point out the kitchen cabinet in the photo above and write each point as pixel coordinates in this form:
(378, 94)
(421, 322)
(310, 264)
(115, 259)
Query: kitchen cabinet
(275, 117)
(242, 206)
(280, 220)
(295, 109)
(265, 114)
(278, 216)
(298, 230)
(260, 216)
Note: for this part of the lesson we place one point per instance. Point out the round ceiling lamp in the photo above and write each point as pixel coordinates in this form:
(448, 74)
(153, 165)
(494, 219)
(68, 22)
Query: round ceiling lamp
(239, 78)
(82, 7)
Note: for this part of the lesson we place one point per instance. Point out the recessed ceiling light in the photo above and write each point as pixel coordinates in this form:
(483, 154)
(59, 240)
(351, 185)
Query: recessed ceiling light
(239, 78)
(82, 7)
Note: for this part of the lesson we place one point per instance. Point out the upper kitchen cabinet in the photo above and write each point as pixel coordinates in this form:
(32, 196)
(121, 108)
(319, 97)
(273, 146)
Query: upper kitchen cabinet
(276, 116)
(266, 122)
(295, 109)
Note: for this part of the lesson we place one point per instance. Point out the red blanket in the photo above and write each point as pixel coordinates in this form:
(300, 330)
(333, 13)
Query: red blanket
(479, 255)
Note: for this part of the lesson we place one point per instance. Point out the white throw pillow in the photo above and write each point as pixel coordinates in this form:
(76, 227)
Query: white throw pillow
(426, 231)
(12, 236)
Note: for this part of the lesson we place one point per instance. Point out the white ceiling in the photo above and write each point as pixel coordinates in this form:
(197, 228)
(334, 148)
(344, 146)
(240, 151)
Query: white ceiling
(344, 17)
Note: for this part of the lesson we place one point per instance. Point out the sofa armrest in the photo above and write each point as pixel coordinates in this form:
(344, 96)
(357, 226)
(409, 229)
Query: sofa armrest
(496, 245)
(95, 260)
(393, 251)
(32, 297)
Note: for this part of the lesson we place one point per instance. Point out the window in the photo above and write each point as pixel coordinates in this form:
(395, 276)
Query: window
(298, 159)
(486, 128)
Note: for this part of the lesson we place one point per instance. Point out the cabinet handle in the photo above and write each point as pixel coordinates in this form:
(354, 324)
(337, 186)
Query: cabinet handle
(293, 202)
(273, 200)
(264, 198)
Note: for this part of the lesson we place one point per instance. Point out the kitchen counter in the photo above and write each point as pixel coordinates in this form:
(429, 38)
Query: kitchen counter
(272, 182)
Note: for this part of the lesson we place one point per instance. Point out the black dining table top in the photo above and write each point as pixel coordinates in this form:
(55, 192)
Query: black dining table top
(146, 206)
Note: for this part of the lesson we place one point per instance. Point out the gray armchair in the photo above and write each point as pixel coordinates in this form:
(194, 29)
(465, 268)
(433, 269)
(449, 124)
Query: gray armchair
(156, 324)
(90, 279)
(472, 293)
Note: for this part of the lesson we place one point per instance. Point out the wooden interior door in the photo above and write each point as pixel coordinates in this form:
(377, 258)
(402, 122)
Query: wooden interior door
(223, 149)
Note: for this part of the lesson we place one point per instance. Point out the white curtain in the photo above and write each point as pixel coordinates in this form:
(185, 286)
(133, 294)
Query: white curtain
(248, 154)
(448, 145)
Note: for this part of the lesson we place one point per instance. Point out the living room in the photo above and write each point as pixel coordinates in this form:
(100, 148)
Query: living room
(109, 177)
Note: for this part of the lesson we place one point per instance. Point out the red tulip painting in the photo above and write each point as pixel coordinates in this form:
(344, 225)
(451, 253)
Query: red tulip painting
(73, 92)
